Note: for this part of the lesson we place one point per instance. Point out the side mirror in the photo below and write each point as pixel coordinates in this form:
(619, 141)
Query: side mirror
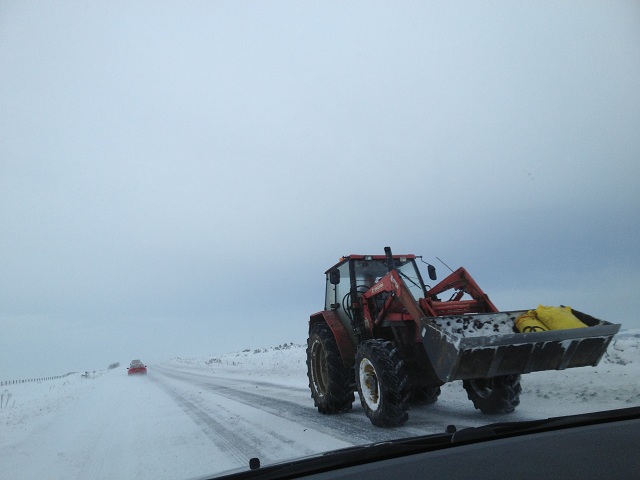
(432, 272)
(334, 276)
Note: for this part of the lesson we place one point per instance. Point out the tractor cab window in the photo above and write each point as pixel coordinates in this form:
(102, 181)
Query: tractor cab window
(368, 272)
(409, 273)
(337, 289)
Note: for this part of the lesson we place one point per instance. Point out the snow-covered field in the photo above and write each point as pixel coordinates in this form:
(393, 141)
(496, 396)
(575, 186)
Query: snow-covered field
(191, 417)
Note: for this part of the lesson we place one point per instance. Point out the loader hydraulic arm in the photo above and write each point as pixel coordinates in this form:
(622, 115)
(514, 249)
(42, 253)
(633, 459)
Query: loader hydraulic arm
(461, 282)
(398, 293)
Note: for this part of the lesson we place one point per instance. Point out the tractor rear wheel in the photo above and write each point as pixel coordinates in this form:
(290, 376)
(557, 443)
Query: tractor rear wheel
(383, 383)
(494, 395)
(329, 380)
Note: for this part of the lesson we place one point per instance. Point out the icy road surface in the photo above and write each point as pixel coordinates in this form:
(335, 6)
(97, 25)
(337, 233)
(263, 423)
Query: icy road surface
(194, 417)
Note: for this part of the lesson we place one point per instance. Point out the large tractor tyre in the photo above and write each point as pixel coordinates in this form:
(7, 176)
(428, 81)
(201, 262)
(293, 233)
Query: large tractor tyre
(329, 380)
(425, 395)
(494, 395)
(383, 383)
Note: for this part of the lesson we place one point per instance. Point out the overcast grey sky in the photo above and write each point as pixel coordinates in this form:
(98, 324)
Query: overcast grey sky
(175, 177)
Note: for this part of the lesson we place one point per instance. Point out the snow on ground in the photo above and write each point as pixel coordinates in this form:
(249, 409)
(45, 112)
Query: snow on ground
(614, 383)
(98, 427)
(195, 416)
(286, 362)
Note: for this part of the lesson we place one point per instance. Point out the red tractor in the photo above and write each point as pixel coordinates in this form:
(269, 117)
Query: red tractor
(386, 334)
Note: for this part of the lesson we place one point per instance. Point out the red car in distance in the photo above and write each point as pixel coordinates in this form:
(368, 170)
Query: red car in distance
(137, 368)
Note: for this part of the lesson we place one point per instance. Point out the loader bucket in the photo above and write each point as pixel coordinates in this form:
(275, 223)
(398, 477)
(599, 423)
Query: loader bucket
(456, 356)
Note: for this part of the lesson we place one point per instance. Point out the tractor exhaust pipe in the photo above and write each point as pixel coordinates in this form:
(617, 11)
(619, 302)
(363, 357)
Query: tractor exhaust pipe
(387, 252)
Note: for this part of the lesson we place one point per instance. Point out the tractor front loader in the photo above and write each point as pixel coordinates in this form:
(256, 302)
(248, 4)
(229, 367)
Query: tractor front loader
(386, 334)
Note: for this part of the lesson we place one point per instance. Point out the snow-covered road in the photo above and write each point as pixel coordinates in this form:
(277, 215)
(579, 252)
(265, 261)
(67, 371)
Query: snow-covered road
(193, 417)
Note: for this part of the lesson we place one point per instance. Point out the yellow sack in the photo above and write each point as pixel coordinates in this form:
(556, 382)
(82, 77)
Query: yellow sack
(558, 318)
(528, 322)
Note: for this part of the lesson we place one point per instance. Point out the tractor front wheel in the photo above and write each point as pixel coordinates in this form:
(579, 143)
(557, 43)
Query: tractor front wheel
(329, 380)
(425, 395)
(494, 395)
(383, 383)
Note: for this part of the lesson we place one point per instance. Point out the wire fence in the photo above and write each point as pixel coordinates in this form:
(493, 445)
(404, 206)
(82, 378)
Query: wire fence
(31, 380)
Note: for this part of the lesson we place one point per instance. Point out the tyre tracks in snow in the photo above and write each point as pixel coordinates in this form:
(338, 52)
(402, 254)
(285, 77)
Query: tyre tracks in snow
(353, 428)
(225, 438)
(236, 428)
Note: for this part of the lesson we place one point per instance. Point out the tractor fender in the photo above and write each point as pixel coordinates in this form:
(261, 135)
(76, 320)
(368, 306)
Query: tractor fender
(345, 345)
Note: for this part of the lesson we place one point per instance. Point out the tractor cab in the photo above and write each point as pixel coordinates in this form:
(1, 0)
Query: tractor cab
(354, 275)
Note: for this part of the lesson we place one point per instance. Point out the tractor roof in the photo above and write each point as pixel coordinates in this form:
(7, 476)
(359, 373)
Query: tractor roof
(346, 258)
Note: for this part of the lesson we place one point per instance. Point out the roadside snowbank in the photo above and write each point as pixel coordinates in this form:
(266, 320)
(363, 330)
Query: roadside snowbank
(24, 405)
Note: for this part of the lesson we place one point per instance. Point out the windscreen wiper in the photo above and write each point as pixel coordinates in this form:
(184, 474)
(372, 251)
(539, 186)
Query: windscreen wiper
(452, 437)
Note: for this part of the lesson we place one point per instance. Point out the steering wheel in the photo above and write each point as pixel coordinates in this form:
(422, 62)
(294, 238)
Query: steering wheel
(347, 304)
